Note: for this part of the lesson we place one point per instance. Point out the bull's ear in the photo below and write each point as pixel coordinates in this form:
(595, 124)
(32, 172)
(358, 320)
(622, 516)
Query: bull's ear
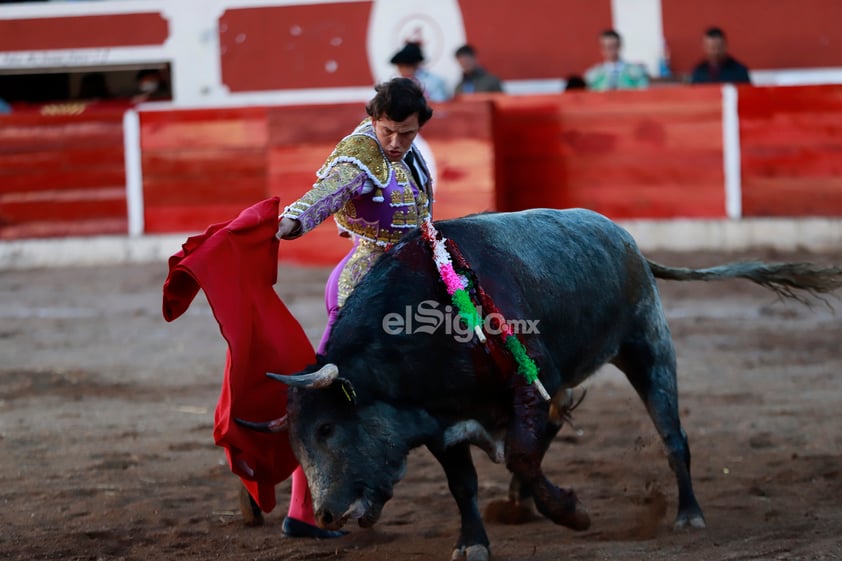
(321, 378)
(273, 426)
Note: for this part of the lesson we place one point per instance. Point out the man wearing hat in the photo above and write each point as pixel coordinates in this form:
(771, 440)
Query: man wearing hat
(408, 60)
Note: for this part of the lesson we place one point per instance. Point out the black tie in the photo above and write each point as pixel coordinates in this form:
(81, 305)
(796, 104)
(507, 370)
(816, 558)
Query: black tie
(410, 161)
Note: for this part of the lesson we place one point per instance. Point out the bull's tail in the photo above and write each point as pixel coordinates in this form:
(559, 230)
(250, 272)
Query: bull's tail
(787, 280)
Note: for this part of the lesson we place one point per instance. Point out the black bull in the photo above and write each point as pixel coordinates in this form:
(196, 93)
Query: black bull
(575, 276)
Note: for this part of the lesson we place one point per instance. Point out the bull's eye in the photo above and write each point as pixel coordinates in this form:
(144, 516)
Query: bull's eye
(325, 430)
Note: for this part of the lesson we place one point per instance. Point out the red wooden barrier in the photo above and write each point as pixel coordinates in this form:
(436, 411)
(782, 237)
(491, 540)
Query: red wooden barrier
(201, 167)
(648, 154)
(461, 138)
(791, 145)
(62, 175)
(629, 154)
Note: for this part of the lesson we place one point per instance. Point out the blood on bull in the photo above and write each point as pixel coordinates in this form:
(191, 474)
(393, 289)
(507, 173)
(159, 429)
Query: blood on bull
(374, 395)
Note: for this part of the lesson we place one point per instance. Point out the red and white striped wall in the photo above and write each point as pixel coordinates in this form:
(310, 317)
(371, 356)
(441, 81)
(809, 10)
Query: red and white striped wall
(236, 52)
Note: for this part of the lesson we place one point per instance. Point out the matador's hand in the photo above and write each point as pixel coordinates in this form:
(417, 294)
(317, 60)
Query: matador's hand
(288, 229)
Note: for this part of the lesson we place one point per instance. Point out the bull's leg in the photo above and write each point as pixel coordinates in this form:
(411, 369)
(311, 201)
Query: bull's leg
(650, 367)
(252, 515)
(472, 544)
(528, 438)
(517, 508)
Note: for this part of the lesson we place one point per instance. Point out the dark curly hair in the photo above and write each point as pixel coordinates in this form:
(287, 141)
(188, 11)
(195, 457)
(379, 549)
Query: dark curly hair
(398, 99)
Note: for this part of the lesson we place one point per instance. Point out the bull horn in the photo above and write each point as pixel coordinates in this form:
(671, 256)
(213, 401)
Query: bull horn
(276, 425)
(322, 378)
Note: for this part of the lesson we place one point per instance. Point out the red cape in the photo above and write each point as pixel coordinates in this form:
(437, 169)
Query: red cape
(236, 264)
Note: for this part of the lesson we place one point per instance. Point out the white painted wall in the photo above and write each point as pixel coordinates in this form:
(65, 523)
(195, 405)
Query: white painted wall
(640, 25)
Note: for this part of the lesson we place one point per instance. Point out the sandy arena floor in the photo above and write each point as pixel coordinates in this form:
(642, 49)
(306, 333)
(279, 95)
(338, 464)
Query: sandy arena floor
(106, 414)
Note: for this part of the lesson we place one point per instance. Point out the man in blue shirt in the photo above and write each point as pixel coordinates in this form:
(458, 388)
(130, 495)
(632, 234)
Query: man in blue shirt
(408, 61)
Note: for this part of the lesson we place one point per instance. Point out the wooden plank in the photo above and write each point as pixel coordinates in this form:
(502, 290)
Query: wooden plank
(465, 182)
(62, 175)
(624, 154)
(188, 217)
(201, 191)
(313, 124)
(292, 169)
(468, 118)
(60, 228)
(56, 136)
(235, 133)
(203, 128)
(50, 180)
(791, 144)
(651, 201)
(201, 166)
(110, 205)
(154, 119)
(36, 119)
(794, 196)
(61, 160)
(212, 164)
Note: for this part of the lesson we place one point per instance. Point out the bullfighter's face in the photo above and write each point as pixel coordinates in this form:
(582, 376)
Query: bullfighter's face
(396, 137)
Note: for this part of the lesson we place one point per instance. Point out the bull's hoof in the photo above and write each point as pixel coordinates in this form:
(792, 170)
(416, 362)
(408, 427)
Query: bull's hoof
(563, 508)
(578, 520)
(294, 528)
(471, 553)
(508, 512)
(252, 516)
(696, 521)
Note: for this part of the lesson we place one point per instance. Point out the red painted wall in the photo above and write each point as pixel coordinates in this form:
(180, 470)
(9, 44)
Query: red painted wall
(537, 38)
(763, 34)
(62, 175)
(310, 46)
(635, 154)
(83, 32)
(791, 145)
(288, 47)
(201, 167)
(646, 154)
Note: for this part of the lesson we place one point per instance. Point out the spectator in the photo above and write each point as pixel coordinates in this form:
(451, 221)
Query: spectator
(4, 107)
(151, 86)
(408, 61)
(718, 65)
(475, 78)
(613, 73)
(574, 82)
(94, 86)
